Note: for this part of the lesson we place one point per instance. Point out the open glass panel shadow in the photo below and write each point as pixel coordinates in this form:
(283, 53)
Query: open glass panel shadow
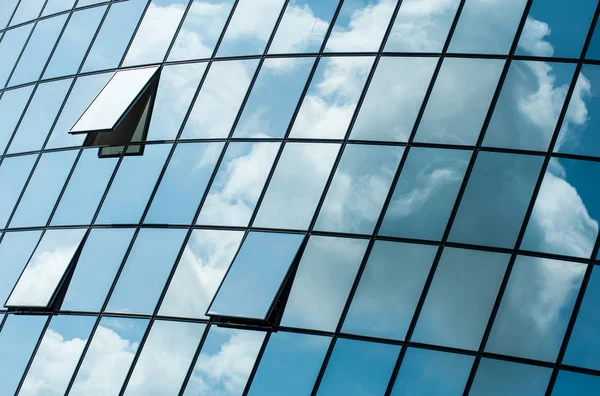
(120, 114)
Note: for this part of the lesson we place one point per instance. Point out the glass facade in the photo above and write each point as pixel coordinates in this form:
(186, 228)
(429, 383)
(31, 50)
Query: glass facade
(299, 197)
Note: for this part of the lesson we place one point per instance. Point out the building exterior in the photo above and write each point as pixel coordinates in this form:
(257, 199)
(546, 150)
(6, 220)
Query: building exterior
(271, 197)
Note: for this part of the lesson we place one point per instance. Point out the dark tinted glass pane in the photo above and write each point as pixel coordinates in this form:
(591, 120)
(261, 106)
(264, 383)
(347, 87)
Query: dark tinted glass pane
(496, 377)
(569, 383)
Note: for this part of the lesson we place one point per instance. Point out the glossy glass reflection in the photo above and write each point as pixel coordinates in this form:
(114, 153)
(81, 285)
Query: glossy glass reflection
(535, 308)
(146, 270)
(225, 362)
(15, 250)
(74, 42)
(57, 355)
(565, 216)
(331, 98)
(358, 367)
(389, 289)
(296, 186)
(274, 97)
(425, 372)
(421, 29)
(54, 6)
(43, 189)
(460, 298)
(255, 276)
(109, 356)
(487, 26)
(12, 104)
(570, 383)
(496, 199)
(46, 268)
(250, 27)
(201, 29)
(425, 193)
(497, 377)
(155, 33)
(199, 273)
(39, 116)
(529, 105)
(556, 28)
(10, 48)
(165, 358)
(114, 35)
(289, 365)
(183, 183)
(7, 8)
(238, 184)
(359, 188)
(26, 11)
(18, 338)
(14, 172)
(459, 101)
(393, 99)
(219, 99)
(322, 282)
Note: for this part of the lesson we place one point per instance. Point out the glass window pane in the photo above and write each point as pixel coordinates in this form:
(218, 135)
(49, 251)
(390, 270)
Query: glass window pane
(109, 356)
(357, 367)
(496, 378)
(460, 298)
(176, 89)
(165, 358)
(496, 199)
(569, 383)
(82, 3)
(528, 107)
(83, 93)
(332, 96)
(565, 216)
(132, 186)
(35, 55)
(322, 282)
(290, 364)
(459, 101)
(359, 188)
(419, 28)
(40, 116)
(7, 8)
(201, 29)
(233, 352)
(303, 26)
(96, 268)
(146, 270)
(74, 42)
(535, 308)
(296, 185)
(18, 338)
(10, 49)
(12, 104)
(393, 99)
(424, 372)
(57, 355)
(274, 97)
(85, 189)
(389, 289)
(593, 51)
(584, 345)
(116, 97)
(425, 193)
(578, 132)
(199, 273)
(219, 100)
(14, 172)
(487, 26)
(54, 6)
(556, 28)
(256, 275)
(115, 34)
(238, 184)
(15, 250)
(46, 268)
(184, 183)
(250, 27)
(361, 25)
(26, 11)
(43, 189)
(156, 32)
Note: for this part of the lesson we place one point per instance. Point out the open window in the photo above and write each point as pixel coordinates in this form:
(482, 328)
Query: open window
(119, 116)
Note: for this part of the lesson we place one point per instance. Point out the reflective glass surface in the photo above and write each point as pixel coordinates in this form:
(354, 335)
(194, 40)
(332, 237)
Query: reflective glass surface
(568, 383)
(26, 11)
(12, 104)
(497, 377)
(7, 9)
(13, 175)
(15, 250)
(11, 47)
(54, 6)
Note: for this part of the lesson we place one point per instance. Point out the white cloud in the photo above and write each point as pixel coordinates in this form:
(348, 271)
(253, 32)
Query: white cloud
(299, 29)
(532, 39)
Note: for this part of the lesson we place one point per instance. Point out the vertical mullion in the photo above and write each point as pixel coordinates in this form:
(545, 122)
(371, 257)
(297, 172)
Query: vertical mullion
(33, 353)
